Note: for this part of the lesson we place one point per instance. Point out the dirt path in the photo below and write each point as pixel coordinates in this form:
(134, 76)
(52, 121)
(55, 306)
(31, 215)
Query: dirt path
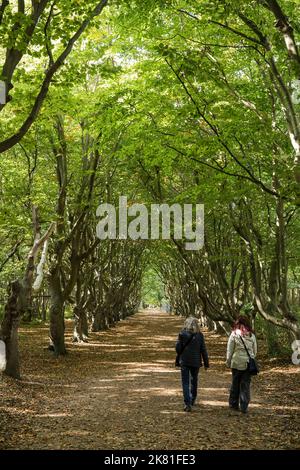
(121, 391)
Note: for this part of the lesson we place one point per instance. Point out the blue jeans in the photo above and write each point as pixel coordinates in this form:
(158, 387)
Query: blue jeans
(189, 378)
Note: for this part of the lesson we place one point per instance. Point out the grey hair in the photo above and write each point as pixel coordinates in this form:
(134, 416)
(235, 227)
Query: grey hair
(192, 324)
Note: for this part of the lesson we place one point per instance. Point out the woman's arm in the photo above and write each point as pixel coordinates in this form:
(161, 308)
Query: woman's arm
(230, 350)
(204, 353)
(178, 345)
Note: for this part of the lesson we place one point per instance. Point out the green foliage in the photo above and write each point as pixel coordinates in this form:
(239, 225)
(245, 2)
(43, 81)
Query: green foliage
(153, 289)
(178, 98)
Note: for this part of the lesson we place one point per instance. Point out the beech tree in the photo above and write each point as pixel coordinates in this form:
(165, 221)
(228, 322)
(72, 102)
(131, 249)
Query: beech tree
(42, 29)
(198, 105)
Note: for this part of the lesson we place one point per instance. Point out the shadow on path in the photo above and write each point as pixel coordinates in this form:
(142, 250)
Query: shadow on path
(122, 391)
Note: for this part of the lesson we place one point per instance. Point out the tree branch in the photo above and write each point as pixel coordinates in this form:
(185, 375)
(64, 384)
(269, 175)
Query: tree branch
(220, 139)
(11, 141)
(47, 38)
(191, 15)
(283, 25)
(4, 4)
(14, 55)
(238, 33)
(39, 242)
(221, 170)
(10, 254)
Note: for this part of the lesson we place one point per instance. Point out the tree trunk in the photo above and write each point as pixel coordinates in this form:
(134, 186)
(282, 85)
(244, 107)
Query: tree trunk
(57, 328)
(99, 322)
(80, 333)
(273, 342)
(18, 301)
(9, 330)
(57, 324)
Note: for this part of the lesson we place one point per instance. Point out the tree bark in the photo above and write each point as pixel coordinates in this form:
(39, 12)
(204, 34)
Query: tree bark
(57, 308)
(17, 304)
(9, 330)
(80, 334)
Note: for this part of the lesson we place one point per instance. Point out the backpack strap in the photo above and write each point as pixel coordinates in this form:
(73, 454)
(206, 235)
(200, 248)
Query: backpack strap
(245, 346)
(188, 342)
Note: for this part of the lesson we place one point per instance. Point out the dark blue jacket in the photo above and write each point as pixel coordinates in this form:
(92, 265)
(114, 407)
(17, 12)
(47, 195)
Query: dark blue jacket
(194, 352)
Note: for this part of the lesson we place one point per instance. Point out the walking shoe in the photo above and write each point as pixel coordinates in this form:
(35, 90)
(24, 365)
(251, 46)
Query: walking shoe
(234, 408)
(187, 408)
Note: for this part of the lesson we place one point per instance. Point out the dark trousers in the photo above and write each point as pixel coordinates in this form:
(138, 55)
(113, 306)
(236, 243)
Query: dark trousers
(189, 378)
(240, 389)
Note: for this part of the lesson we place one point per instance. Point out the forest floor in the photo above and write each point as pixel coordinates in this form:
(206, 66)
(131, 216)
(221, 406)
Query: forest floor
(122, 391)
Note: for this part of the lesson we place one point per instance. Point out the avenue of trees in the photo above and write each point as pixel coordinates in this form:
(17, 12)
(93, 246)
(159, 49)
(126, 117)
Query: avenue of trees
(172, 101)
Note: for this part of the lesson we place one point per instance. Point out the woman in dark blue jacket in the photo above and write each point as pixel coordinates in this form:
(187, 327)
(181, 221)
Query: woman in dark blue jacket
(191, 347)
